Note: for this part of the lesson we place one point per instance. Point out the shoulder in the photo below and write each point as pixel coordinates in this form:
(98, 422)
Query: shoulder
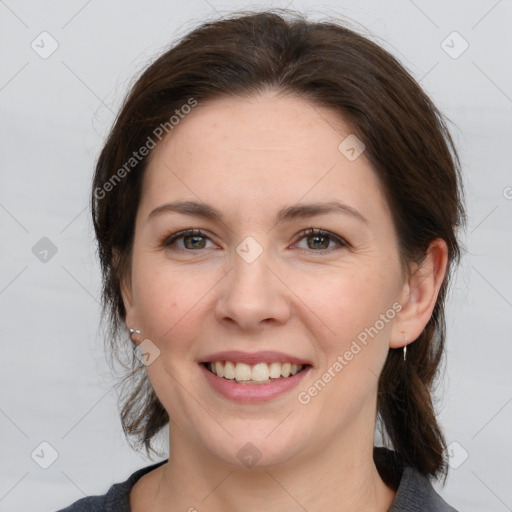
(414, 491)
(116, 499)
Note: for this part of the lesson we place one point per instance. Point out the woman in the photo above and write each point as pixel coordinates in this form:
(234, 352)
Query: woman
(276, 211)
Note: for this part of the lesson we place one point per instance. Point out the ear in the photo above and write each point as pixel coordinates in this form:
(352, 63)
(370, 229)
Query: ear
(419, 295)
(126, 291)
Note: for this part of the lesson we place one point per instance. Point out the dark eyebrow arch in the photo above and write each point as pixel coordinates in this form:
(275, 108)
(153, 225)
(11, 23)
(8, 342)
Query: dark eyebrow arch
(297, 211)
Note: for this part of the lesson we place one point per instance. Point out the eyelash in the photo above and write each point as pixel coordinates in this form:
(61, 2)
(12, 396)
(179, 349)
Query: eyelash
(169, 240)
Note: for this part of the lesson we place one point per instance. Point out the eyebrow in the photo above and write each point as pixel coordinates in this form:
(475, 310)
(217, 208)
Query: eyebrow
(297, 211)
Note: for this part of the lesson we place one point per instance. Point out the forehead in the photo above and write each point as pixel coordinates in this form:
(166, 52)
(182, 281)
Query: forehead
(264, 151)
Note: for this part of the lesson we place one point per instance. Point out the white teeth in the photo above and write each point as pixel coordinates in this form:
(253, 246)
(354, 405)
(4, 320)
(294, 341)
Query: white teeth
(219, 369)
(229, 370)
(261, 372)
(275, 370)
(242, 371)
(285, 369)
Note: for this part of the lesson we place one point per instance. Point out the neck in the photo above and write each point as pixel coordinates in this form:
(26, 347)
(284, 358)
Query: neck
(342, 473)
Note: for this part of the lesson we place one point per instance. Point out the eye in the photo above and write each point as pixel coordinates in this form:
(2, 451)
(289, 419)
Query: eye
(319, 240)
(193, 239)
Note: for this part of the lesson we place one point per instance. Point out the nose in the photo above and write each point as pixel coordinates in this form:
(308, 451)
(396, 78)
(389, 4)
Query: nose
(252, 295)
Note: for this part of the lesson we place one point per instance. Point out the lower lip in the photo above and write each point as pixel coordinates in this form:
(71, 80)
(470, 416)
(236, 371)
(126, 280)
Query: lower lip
(253, 392)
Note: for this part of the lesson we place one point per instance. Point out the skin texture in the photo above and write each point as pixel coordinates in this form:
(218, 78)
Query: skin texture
(249, 158)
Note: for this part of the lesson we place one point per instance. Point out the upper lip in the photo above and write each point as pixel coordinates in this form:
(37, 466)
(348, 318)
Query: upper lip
(252, 358)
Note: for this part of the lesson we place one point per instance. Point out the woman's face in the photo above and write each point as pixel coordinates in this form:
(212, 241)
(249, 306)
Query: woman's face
(251, 287)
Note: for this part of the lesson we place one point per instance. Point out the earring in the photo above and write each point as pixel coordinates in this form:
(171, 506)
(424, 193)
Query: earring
(406, 338)
(133, 331)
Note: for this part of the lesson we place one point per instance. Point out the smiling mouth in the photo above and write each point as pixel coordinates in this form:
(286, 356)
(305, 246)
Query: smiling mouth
(261, 373)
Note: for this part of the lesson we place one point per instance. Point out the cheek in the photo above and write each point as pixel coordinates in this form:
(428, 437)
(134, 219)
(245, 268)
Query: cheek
(171, 300)
(358, 309)
(349, 298)
(356, 306)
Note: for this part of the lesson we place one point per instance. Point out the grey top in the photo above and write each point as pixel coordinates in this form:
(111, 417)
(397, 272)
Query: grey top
(414, 492)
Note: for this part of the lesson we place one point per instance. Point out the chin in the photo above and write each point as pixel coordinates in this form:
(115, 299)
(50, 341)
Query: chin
(254, 448)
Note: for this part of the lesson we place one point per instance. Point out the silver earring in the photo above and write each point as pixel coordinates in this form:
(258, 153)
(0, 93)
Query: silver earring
(405, 348)
(133, 331)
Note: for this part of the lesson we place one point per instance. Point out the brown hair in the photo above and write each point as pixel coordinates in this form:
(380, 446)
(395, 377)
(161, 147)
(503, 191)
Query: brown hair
(406, 140)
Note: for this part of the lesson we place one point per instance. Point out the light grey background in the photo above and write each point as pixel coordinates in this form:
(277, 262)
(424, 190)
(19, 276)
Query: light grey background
(55, 385)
